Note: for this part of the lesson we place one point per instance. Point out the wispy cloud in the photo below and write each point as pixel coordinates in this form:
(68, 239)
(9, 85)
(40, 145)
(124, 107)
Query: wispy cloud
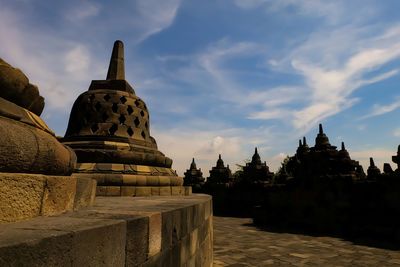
(378, 109)
(85, 10)
(154, 16)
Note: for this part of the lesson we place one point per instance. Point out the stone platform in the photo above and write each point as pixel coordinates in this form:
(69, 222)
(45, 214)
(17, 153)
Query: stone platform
(24, 196)
(116, 231)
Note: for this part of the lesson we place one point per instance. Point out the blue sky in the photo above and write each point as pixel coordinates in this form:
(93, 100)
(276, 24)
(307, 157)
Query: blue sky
(224, 76)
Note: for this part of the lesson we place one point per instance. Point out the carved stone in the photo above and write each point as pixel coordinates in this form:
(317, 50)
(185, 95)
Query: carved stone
(109, 130)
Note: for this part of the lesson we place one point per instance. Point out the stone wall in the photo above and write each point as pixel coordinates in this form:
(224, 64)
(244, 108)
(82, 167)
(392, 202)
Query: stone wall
(24, 196)
(116, 231)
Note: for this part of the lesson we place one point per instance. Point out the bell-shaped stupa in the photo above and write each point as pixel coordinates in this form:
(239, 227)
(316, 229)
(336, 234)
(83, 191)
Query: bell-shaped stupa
(109, 130)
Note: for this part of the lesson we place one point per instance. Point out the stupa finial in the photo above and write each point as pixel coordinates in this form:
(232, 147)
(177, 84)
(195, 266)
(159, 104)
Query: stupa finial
(371, 162)
(343, 147)
(116, 70)
(304, 141)
(321, 131)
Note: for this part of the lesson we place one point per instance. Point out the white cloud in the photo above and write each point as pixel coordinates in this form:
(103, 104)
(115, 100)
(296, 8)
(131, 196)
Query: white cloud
(82, 11)
(396, 132)
(154, 16)
(378, 109)
(234, 144)
(332, 11)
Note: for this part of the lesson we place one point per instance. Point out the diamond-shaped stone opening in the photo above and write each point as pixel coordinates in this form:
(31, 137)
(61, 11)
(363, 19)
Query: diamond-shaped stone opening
(137, 102)
(130, 131)
(123, 99)
(137, 122)
(114, 108)
(94, 128)
(104, 117)
(146, 125)
(113, 129)
(121, 119)
(143, 134)
(130, 110)
(98, 106)
(91, 98)
(142, 113)
(107, 97)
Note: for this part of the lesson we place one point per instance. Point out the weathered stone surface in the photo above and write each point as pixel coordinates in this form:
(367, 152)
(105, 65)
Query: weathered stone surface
(26, 149)
(24, 196)
(118, 231)
(59, 195)
(20, 196)
(63, 241)
(85, 192)
(15, 87)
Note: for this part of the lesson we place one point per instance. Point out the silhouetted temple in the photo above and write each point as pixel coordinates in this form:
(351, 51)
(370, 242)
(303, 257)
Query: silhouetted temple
(373, 172)
(220, 174)
(193, 176)
(109, 130)
(323, 160)
(256, 172)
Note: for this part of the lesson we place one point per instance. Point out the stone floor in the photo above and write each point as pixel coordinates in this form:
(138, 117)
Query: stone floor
(238, 243)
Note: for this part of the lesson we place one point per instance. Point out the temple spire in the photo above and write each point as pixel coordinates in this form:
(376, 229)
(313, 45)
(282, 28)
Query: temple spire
(116, 70)
(371, 162)
(343, 147)
(300, 142)
(321, 131)
(304, 141)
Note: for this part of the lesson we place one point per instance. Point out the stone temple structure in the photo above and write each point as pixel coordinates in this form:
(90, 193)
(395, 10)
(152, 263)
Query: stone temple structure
(323, 160)
(193, 176)
(109, 130)
(373, 172)
(257, 172)
(35, 169)
(220, 174)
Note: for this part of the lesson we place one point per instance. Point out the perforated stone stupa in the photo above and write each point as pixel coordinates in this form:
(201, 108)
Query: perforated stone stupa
(109, 130)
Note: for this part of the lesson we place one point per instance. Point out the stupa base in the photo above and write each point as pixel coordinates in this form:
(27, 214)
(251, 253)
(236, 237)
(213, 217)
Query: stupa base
(139, 185)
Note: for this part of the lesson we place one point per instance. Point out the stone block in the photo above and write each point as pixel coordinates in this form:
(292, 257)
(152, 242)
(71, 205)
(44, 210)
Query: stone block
(188, 190)
(165, 191)
(85, 192)
(155, 191)
(101, 190)
(194, 242)
(207, 210)
(63, 241)
(128, 191)
(129, 180)
(176, 190)
(59, 195)
(137, 241)
(152, 180)
(185, 249)
(164, 180)
(155, 222)
(166, 230)
(113, 191)
(20, 196)
(141, 180)
(143, 191)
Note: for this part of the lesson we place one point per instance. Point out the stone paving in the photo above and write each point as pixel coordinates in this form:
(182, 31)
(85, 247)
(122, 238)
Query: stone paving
(238, 243)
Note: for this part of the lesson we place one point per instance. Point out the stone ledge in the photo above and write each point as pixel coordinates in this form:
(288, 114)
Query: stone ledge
(142, 191)
(24, 196)
(118, 231)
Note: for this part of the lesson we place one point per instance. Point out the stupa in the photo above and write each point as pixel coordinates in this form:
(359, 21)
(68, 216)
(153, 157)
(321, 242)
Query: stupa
(323, 160)
(220, 174)
(109, 130)
(193, 176)
(256, 171)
